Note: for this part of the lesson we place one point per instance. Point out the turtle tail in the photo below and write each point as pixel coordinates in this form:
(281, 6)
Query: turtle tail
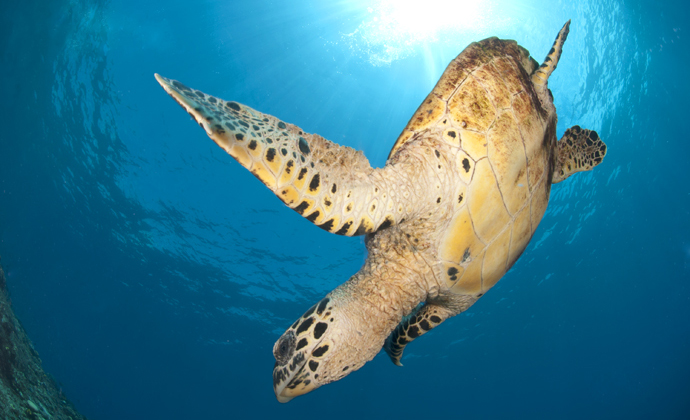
(541, 76)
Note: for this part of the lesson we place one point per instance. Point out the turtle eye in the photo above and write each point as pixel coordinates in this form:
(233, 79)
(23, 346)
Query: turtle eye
(284, 348)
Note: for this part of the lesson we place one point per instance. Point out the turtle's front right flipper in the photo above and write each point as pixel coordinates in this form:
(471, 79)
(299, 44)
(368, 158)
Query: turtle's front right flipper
(332, 186)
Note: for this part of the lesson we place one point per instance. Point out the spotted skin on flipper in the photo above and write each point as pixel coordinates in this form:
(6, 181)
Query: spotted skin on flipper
(332, 186)
(578, 150)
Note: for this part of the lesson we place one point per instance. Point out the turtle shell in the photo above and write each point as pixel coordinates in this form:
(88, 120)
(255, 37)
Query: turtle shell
(500, 139)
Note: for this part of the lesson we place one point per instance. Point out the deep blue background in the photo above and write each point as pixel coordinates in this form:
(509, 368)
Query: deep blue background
(153, 273)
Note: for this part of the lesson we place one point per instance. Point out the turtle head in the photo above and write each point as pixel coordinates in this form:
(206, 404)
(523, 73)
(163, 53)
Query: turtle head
(322, 346)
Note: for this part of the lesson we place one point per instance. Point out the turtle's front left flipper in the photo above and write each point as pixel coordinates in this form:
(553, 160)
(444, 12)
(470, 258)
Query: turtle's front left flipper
(578, 150)
(429, 316)
(332, 186)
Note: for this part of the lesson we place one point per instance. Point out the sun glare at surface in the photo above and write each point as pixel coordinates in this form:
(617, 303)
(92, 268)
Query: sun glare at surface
(392, 29)
(425, 19)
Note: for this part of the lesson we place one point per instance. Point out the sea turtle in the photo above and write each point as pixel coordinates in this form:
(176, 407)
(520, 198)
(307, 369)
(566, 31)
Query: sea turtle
(461, 195)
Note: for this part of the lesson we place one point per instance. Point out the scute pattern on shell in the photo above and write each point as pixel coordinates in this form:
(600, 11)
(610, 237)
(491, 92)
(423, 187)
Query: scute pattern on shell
(487, 113)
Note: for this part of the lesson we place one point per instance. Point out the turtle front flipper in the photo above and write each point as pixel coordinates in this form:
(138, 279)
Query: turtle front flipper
(578, 150)
(427, 317)
(332, 186)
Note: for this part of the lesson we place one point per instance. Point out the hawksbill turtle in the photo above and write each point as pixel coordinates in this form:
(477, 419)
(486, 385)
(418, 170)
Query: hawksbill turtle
(461, 194)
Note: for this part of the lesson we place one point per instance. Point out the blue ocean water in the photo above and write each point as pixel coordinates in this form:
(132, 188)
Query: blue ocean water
(154, 274)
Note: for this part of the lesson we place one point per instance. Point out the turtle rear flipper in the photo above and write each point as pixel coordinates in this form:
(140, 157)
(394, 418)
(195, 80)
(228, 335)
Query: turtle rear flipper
(332, 186)
(578, 150)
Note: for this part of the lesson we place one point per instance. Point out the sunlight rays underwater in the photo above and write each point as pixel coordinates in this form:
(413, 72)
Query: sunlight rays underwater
(154, 283)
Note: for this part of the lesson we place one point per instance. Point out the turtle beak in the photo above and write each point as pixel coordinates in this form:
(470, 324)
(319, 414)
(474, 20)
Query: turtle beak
(295, 385)
(291, 378)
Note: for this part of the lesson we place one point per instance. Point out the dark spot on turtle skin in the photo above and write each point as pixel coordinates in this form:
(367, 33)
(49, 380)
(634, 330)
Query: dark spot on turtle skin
(402, 340)
(180, 86)
(452, 271)
(295, 324)
(269, 140)
(438, 155)
(386, 223)
(425, 325)
(302, 207)
(313, 365)
(285, 348)
(460, 199)
(302, 344)
(233, 105)
(413, 332)
(346, 368)
(466, 165)
(256, 128)
(348, 208)
(288, 166)
(270, 154)
(466, 255)
(320, 351)
(239, 136)
(212, 100)
(322, 306)
(252, 145)
(362, 229)
(438, 200)
(304, 326)
(281, 125)
(452, 134)
(334, 188)
(304, 146)
(327, 226)
(309, 312)
(343, 230)
(373, 207)
(278, 377)
(480, 295)
(301, 174)
(296, 361)
(244, 124)
(313, 216)
(327, 202)
(435, 319)
(315, 182)
(319, 329)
